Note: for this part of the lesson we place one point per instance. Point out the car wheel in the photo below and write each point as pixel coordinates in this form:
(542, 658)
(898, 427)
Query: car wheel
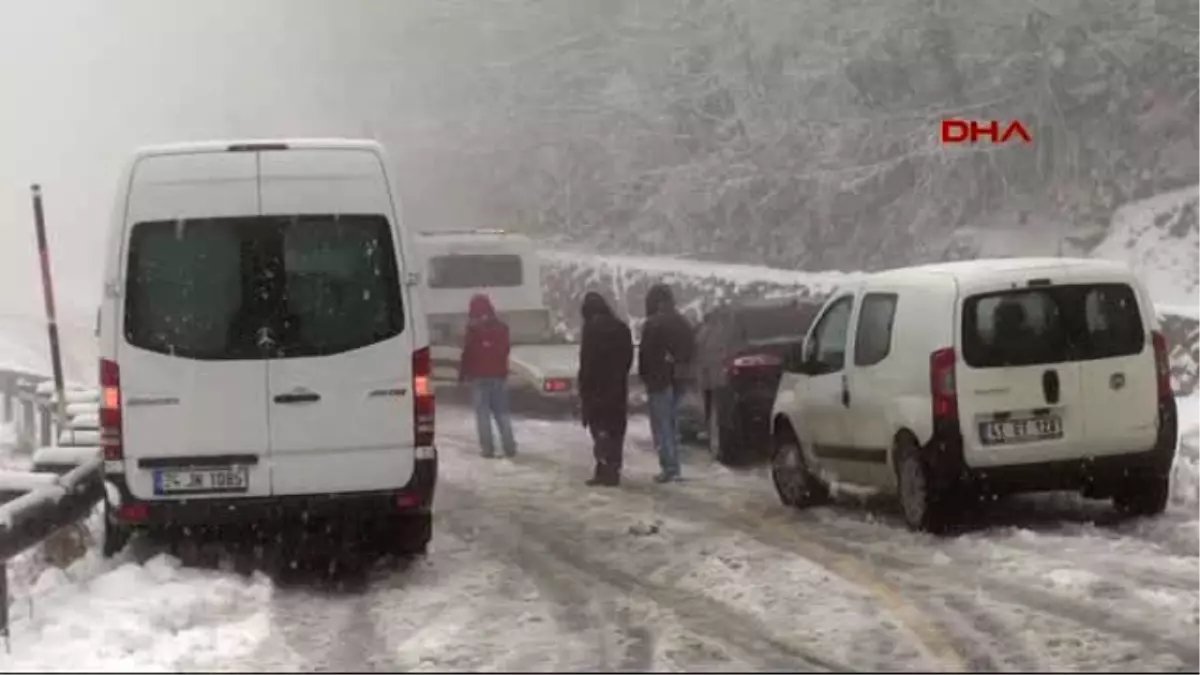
(720, 438)
(1144, 494)
(116, 536)
(925, 507)
(794, 481)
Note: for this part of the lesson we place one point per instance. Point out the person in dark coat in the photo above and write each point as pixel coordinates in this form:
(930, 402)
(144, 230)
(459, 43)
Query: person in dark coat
(485, 367)
(664, 365)
(605, 357)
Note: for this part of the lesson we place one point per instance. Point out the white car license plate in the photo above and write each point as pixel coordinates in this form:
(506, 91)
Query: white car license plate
(1028, 430)
(199, 481)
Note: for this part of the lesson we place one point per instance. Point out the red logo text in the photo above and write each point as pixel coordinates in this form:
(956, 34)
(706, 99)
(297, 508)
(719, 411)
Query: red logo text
(996, 132)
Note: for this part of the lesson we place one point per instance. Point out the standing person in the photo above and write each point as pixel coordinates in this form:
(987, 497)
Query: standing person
(605, 357)
(664, 362)
(485, 366)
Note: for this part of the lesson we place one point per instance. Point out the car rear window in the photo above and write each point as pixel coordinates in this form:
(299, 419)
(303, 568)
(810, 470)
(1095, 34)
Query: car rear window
(262, 287)
(475, 271)
(1053, 324)
(764, 324)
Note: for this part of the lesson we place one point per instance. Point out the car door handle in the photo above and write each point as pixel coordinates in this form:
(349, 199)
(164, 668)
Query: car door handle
(298, 397)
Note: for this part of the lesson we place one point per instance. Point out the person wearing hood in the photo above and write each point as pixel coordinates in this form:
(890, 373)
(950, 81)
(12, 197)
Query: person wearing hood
(484, 366)
(664, 365)
(605, 357)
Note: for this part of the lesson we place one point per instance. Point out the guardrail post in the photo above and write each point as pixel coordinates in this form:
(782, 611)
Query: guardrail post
(46, 428)
(4, 606)
(28, 412)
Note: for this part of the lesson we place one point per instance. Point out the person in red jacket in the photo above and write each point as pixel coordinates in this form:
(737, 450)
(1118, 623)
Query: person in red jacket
(485, 367)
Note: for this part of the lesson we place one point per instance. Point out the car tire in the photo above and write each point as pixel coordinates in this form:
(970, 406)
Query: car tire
(722, 441)
(927, 507)
(1143, 494)
(794, 482)
(115, 535)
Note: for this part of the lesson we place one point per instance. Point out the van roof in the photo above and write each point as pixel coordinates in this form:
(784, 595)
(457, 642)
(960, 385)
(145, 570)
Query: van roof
(451, 237)
(971, 270)
(233, 145)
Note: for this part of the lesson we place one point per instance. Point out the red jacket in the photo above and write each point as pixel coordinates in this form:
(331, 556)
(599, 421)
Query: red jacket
(485, 353)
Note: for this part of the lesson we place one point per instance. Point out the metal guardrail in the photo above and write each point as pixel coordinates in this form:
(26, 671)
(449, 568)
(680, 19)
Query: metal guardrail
(67, 480)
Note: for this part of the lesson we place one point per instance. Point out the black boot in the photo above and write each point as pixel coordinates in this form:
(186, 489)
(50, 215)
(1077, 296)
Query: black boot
(597, 477)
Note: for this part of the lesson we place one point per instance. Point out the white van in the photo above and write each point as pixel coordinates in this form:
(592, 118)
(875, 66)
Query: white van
(941, 382)
(264, 354)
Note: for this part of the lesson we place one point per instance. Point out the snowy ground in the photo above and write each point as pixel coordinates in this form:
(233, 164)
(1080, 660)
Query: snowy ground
(532, 571)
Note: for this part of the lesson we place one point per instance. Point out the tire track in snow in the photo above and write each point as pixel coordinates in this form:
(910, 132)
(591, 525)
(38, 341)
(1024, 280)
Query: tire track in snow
(544, 550)
(846, 566)
(829, 546)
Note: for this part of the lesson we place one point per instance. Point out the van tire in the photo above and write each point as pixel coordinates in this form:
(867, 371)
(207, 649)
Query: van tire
(1143, 494)
(794, 482)
(412, 534)
(925, 504)
(115, 536)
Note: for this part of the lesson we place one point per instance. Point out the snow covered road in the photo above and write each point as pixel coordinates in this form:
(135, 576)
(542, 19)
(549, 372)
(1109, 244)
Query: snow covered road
(530, 570)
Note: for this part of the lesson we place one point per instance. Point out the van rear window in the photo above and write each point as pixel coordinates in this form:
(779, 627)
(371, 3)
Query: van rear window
(475, 271)
(1051, 324)
(262, 287)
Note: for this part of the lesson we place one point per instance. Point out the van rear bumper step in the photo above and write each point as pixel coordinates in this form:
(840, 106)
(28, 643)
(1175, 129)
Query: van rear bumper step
(416, 497)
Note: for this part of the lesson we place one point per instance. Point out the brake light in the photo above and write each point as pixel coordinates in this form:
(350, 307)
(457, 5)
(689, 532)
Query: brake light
(556, 384)
(110, 411)
(753, 362)
(424, 404)
(941, 385)
(133, 512)
(1162, 365)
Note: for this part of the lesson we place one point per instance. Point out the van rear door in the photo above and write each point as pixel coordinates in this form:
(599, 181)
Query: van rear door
(340, 385)
(1020, 393)
(1118, 367)
(193, 386)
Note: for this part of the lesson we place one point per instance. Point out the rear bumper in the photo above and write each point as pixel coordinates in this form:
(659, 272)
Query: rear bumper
(1099, 476)
(414, 498)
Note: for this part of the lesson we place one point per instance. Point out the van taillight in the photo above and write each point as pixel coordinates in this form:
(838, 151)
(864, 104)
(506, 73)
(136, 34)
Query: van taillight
(423, 400)
(941, 385)
(110, 411)
(1162, 365)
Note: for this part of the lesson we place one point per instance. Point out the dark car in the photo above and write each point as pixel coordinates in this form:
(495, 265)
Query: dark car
(738, 363)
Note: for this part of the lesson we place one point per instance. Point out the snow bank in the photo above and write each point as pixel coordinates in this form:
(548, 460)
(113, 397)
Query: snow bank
(102, 616)
(700, 286)
(1159, 237)
(1185, 475)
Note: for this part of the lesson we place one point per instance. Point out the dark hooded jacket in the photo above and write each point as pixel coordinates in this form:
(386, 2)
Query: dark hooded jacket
(485, 351)
(605, 357)
(667, 346)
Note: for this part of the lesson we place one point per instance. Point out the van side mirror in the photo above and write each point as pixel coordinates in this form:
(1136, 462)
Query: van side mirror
(793, 361)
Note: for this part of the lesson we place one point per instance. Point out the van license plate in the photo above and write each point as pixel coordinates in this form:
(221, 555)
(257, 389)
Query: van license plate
(200, 481)
(1021, 430)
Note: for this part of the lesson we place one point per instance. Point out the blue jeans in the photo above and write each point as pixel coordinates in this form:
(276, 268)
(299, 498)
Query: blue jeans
(490, 398)
(664, 427)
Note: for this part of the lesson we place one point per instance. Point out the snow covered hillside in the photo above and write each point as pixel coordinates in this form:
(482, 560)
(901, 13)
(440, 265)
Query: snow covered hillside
(1159, 238)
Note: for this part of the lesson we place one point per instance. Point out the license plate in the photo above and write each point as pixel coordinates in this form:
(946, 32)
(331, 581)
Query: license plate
(1004, 432)
(199, 481)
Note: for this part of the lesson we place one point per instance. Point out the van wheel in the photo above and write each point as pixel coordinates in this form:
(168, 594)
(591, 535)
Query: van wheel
(1144, 494)
(116, 536)
(721, 442)
(795, 484)
(926, 509)
(412, 533)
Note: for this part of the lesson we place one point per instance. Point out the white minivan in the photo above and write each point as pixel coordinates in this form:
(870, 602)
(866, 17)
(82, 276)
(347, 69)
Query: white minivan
(264, 355)
(990, 377)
